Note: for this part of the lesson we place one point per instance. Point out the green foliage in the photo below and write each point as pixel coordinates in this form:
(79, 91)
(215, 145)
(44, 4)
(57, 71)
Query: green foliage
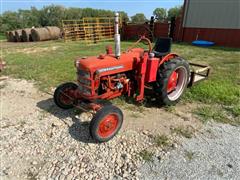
(185, 132)
(160, 13)
(174, 12)
(138, 18)
(2, 36)
(219, 114)
(161, 140)
(51, 15)
(146, 155)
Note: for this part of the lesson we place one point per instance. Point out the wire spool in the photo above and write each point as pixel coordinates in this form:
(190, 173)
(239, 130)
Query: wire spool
(18, 35)
(26, 35)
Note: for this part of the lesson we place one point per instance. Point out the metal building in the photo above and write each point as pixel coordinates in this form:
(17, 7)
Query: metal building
(212, 20)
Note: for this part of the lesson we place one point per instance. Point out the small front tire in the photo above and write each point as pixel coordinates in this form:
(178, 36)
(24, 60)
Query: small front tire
(64, 95)
(106, 123)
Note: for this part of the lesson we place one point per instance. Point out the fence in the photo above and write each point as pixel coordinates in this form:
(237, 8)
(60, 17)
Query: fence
(133, 31)
(90, 30)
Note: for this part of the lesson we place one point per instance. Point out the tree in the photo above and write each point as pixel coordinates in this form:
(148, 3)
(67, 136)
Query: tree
(52, 15)
(124, 16)
(174, 12)
(138, 18)
(160, 13)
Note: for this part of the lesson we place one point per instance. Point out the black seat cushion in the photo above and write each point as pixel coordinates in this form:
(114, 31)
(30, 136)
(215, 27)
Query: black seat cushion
(162, 46)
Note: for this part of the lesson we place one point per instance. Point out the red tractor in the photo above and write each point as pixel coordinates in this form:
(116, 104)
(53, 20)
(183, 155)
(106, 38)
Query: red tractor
(111, 75)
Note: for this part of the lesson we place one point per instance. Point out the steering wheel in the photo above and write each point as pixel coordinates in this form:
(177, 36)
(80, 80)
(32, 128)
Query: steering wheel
(142, 39)
(145, 31)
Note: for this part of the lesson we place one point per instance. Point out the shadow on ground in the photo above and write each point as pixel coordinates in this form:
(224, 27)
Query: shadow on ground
(79, 130)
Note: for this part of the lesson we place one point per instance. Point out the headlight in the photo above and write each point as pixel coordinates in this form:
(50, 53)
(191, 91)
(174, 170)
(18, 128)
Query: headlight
(84, 74)
(84, 81)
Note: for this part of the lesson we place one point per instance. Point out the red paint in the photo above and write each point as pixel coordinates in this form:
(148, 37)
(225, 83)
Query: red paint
(161, 29)
(141, 69)
(222, 37)
(108, 125)
(172, 82)
(67, 95)
(133, 31)
(152, 67)
(167, 57)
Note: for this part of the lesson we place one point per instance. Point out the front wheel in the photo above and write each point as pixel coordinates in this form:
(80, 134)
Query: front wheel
(106, 123)
(64, 95)
(172, 79)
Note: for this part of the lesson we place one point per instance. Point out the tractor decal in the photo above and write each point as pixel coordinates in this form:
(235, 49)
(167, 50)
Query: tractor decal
(110, 68)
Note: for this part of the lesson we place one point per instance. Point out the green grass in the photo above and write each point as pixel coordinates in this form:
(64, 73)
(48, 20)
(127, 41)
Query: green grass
(161, 140)
(2, 36)
(189, 155)
(49, 68)
(227, 115)
(146, 155)
(182, 131)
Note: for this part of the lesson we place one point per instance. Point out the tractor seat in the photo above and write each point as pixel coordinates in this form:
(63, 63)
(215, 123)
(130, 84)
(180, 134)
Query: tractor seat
(162, 46)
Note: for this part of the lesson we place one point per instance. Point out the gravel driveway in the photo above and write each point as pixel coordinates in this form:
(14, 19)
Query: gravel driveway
(213, 154)
(40, 141)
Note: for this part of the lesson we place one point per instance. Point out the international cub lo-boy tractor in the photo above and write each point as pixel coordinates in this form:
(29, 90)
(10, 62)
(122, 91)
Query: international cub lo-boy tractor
(111, 75)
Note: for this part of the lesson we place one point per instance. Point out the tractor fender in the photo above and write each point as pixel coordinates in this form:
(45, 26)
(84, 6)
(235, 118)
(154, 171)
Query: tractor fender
(167, 58)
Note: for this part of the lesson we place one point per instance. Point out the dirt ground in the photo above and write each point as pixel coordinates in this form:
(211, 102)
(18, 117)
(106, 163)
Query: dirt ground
(41, 141)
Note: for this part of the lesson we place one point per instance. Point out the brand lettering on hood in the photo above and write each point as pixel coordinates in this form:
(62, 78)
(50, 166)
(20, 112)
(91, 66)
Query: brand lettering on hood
(110, 68)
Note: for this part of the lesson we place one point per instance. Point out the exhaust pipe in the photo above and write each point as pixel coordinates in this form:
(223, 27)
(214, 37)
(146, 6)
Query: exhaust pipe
(117, 36)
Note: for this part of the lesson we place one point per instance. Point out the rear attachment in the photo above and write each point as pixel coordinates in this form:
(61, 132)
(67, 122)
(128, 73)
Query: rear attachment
(198, 73)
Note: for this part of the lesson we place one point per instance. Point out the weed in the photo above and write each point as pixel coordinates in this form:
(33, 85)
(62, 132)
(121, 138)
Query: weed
(135, 115)
(170, 108)
(217, 114)
(161, 140)
(146, 155)
(234, 110)
(185, 132)
(189, 155)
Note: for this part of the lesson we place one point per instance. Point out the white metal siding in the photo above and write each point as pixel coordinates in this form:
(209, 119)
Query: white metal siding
(212, 14)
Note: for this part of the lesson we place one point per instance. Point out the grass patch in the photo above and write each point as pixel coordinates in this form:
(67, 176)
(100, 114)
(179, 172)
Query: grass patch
(146, 155)
(2, 36)
(170, 108)
(51, 66)
(161, 140)
(185, 132)
(223, 84)
(218, 114)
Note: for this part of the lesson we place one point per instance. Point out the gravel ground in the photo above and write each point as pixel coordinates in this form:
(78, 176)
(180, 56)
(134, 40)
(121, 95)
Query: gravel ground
(40, 141)
(213, 154)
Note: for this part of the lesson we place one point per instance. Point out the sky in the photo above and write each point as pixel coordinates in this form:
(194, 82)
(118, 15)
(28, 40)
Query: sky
(131, 7)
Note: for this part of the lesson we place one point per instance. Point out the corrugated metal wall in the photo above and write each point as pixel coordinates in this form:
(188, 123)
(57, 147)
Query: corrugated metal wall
(212, 14)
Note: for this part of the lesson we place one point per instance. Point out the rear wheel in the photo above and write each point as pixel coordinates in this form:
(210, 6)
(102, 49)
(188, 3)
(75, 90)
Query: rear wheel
(172, 79)
(106, 123)
(64, 95)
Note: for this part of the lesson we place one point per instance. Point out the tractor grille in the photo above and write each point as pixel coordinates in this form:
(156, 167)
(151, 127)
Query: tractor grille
(84, 82)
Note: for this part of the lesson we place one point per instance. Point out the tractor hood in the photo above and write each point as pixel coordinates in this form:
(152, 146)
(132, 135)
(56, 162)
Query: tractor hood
(108, 64)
